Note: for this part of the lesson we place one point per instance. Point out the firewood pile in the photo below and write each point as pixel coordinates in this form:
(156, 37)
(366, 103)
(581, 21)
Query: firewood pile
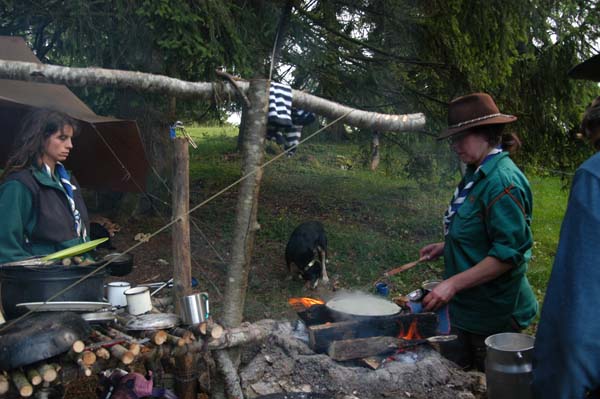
(111, 346)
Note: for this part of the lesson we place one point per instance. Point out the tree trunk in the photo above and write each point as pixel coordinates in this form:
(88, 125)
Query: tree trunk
(147, 82)
(246, 224)
(374, 151)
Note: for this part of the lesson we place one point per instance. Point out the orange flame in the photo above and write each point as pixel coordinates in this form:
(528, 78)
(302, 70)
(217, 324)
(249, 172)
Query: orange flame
(300, 304)
(412, 333)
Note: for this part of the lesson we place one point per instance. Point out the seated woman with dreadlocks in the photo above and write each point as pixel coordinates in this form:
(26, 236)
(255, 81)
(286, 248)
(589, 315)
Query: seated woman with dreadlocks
(40, 203)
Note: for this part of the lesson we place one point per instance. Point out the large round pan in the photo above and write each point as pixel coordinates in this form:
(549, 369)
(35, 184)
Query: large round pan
(360, 306)
(39, 337)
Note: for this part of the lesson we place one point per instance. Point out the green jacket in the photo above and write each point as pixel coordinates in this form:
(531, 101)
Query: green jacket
(494, 220)
(36, 216)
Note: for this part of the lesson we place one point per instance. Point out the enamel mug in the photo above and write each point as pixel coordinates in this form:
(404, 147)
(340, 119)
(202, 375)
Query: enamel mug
(138, 300)
(115, 292)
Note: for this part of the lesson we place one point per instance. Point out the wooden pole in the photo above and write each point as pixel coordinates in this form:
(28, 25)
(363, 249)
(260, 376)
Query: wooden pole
(182, 261)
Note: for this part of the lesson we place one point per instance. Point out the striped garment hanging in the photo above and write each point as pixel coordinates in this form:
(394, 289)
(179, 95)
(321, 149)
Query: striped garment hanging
(280, 104)
(284, 122)
(69, 188)
(463, 190)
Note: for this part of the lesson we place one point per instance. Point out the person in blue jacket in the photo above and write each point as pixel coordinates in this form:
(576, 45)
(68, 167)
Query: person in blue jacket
(40, 202)
(567, 345)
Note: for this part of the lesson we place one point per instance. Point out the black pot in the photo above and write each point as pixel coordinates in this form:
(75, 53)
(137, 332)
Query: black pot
(38, 283)
(121, 264)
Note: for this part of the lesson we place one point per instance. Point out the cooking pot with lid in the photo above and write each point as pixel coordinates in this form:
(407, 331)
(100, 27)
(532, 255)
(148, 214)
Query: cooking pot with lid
(21, 284)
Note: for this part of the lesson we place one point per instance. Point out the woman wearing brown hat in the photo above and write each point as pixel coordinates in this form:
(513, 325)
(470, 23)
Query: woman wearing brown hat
(488, 236)
(567, 347)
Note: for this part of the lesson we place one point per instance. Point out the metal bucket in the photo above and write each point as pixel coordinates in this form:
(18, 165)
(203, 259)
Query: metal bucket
(508, 366)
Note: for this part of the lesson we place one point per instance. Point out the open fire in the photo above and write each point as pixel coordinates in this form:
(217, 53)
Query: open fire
(301, 304)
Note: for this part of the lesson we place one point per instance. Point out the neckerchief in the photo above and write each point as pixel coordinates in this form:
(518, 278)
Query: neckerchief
(463, 190)
(69, 188)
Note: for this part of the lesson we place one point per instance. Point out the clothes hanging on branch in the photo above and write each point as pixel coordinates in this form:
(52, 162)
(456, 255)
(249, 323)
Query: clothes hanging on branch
(284, 122)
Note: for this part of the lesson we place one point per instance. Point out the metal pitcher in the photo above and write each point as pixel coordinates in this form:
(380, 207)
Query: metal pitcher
(194, 308)
(508, 366)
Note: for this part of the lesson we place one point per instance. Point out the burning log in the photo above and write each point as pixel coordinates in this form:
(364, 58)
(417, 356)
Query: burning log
(320, 336)
(20, 381)
(48, 372)
(34, 376)
(349, 349)
(4, 385)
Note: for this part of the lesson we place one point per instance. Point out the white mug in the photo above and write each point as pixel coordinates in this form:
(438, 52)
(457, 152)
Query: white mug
(115, 292)
(138, 300)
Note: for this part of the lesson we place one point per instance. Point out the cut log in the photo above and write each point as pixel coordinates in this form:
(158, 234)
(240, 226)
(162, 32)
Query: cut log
(187, 335)
(102, 353)
(157, 337)
(23, 386)
(321, 336)
(175, 340)
(87, 358)
(78, 346)
(116, 333)
(372, 362)
(118, 351)
(233, 337)
(135, 348)
(34, 376)
(349, 349)
(4, 384)
(48, 372)
(217, 331)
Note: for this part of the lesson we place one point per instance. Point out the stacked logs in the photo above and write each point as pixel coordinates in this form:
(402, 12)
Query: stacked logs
(107, 347)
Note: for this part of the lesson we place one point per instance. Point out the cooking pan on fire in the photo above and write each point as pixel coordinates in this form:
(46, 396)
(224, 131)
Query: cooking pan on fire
(361, 306)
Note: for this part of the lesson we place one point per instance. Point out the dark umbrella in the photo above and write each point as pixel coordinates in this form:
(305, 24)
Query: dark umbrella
(588, 69)
(107, 155)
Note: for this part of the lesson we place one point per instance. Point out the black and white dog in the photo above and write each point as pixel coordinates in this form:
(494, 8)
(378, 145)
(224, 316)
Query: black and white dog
(307, 249)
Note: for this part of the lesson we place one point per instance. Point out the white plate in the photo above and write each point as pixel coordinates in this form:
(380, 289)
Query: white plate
(68, 306)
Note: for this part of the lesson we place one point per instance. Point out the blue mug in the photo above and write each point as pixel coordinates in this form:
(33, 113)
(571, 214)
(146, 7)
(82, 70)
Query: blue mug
(382, 289)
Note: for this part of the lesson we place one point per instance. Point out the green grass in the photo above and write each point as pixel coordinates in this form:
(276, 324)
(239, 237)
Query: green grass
(374, 222)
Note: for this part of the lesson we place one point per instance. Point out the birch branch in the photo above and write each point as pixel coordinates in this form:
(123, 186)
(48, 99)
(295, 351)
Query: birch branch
(147, 82)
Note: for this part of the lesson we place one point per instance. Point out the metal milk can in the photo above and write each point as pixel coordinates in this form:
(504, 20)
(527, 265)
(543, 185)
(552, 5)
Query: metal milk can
(508, 366)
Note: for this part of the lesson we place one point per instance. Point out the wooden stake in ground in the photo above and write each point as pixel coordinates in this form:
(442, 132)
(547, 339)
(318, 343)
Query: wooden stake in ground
(180, 231)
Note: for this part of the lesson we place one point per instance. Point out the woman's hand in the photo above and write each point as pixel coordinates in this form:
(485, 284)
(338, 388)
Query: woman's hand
(432, 251)
(439, 296)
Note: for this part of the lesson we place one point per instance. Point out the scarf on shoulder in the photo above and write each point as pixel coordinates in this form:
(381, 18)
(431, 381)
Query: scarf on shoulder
(463, 190)
(65, 181)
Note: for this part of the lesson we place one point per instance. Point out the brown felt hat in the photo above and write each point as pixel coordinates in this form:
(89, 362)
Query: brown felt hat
(472, 110)
(588, 69)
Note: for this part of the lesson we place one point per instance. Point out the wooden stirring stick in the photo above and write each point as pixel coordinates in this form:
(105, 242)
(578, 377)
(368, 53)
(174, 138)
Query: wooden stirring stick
(407, 266)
